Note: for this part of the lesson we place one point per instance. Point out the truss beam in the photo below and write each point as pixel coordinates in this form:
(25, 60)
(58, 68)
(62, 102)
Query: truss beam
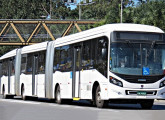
(12, 24)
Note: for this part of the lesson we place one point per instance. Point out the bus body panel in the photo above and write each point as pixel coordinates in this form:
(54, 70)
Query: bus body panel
(4, 82)
(12, 85)
(26, 80)
(40, 90)
(88, 77)
(65, 81)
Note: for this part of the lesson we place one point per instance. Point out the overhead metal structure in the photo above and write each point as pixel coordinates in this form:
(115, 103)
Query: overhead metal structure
(12, 34)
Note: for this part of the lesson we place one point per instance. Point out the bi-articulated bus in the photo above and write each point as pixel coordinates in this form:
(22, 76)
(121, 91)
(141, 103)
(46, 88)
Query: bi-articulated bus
(118, 63)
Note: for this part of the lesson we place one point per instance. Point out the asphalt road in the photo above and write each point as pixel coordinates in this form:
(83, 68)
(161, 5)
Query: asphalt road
(43, 109)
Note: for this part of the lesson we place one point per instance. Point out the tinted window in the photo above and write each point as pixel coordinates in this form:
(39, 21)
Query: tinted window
(63, 58)
(29, 63)
(23, 63)
(41, 62)
(5, 67)
(95, 54)
(13, 66)
(86, 54)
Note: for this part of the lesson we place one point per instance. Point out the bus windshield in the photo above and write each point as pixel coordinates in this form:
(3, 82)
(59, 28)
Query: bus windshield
(137, 58)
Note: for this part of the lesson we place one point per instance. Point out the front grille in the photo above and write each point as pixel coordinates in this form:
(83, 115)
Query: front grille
(133, 92)
(140, 78)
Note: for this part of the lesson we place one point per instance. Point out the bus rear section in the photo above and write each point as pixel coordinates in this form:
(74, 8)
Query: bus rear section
(7, 74)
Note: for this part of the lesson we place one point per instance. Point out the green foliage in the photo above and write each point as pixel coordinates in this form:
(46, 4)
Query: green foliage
(21, 9)
(5, 49)
(150, 13)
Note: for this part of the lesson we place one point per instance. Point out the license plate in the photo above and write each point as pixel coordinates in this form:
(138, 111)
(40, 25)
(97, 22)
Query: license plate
(141, 93)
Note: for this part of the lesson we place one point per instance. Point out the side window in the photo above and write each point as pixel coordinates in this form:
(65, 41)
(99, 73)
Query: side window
(66, 61)
(86, 54)
(95, 54)
(23, 63)
(5, 67)
(56, 59)
(102, 55)
(29, 63)
(13, 66)
(41, 62)
(63, 58)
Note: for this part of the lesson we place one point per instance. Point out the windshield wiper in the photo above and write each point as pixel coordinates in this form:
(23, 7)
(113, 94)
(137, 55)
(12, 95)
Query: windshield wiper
(151, 48)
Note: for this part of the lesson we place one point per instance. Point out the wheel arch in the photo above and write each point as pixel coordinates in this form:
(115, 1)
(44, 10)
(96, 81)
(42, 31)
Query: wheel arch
(95, 85)
(55, 88)
(22, 86)
(3, 88)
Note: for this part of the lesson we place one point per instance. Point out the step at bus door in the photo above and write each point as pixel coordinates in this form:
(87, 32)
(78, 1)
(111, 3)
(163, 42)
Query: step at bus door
(34, 73)
(76, 72)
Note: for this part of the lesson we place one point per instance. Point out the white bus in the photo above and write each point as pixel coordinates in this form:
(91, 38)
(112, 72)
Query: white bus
(118, 63)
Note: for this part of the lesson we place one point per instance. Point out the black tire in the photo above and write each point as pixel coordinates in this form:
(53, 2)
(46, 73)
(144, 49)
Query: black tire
(99, 103)
(58, 96)
(4, 96)
(147, 104)
(23, 93)
(10, 96)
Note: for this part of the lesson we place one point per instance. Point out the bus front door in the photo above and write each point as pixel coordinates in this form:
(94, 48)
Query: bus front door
(76, 73)
(34, 74)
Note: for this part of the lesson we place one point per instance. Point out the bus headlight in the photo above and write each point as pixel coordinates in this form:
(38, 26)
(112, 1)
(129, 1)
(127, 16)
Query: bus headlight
(115, 81)
(162, 84)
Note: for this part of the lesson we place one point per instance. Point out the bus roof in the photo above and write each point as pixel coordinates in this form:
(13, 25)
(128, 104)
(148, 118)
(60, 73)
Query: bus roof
(9, 54)
(34, 48)
(105, 30)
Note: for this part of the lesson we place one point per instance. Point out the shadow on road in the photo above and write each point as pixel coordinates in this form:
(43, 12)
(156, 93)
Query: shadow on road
(85, 103)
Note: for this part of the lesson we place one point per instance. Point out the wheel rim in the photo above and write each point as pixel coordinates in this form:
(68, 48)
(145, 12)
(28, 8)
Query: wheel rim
(99, 102)
(98, 98)
(23, 94)
(4, 96)
(58, 96)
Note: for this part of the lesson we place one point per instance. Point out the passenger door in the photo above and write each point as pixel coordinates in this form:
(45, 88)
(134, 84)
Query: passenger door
(10, 78)
(34, 74)
(76, 72)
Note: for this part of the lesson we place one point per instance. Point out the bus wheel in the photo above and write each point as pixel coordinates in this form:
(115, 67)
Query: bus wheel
(3, 93)
(99, 103)
(23, 93)
(58, 96)
(147, 104)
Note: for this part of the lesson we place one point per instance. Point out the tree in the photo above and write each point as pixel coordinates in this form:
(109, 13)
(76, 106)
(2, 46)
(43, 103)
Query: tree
(21, 9)
(151, 13)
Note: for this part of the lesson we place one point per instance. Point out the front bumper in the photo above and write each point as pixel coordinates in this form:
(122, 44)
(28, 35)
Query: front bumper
(115, 92)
